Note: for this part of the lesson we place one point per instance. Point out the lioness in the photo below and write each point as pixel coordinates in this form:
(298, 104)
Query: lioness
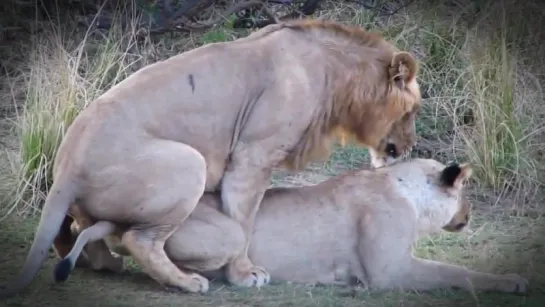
(363, 226)
(220, 117)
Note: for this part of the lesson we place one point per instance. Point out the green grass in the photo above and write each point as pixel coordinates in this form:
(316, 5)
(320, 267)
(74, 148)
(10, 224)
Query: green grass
(499, 243)
(483, 74)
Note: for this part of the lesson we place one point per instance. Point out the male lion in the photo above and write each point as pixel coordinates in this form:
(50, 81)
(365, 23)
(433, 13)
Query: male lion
(359, 226)
(220, 117)
(97, 250)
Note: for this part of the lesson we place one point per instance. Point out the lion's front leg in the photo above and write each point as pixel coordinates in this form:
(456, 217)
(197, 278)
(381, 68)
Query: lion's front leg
(242, 191)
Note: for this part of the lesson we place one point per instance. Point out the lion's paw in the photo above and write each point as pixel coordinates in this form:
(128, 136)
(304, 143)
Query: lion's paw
(515, 284)
(194, 283)
(255, 277)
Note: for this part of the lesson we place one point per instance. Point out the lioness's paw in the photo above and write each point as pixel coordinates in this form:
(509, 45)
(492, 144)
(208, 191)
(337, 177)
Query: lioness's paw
(255, 277)
(515, 284)
(194, 283)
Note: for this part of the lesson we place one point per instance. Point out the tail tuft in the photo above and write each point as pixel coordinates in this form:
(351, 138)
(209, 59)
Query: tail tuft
(62, 270)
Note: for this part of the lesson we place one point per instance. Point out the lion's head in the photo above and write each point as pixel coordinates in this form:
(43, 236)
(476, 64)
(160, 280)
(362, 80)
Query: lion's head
(373, 88)
(381, 113)
(397, 143)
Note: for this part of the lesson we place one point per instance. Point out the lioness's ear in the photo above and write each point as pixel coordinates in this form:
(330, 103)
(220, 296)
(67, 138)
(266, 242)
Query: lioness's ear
(454, 175)
(403, 68)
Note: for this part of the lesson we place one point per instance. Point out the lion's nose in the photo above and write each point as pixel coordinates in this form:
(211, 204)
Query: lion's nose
(391, 150)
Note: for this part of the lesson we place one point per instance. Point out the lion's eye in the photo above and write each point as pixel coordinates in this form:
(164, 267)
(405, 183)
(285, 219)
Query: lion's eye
(399, 81)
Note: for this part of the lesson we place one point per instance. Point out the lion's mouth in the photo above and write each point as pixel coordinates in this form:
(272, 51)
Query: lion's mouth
(388, 160)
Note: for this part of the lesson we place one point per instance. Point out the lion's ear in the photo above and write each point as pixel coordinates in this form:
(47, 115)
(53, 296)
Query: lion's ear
(454, 175)
(403, 68)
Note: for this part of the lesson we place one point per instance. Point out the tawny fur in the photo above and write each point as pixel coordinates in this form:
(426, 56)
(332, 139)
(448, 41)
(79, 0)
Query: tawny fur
(359, 226)
(76, 221)
(220, 117)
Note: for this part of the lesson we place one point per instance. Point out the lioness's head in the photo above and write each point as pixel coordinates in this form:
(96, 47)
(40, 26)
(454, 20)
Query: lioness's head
(452, 179)
(435, 190)
(460, 220)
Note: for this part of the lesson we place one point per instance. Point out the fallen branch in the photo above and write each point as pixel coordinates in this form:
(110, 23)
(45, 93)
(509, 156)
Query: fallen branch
(180, 20)
(235, 8)
(309, 8)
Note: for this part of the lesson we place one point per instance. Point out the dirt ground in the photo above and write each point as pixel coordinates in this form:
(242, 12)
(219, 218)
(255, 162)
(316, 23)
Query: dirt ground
(497, 242)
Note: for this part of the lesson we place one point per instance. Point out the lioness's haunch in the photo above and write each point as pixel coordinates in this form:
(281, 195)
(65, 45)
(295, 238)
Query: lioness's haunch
(358, 226)
(222, 116)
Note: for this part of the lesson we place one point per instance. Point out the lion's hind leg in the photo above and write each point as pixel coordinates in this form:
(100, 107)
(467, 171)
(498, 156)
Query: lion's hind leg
(170, 178)
(146, 245)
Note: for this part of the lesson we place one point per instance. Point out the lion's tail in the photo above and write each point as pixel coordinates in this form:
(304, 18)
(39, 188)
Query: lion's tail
(61, 195)
(96, 232)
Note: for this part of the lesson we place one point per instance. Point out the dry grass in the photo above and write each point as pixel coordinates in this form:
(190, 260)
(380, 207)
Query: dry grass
(484, 104)
(65, 72)
(484, 83)
(505, 140)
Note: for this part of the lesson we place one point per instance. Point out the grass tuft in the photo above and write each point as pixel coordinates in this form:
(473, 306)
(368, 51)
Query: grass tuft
(64, 74)
(499, 135)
